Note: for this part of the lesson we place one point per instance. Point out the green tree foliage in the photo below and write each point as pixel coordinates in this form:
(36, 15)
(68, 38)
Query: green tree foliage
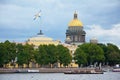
(96, 53)
(2, 54)
(41, 56)
(52, 54)
(105, 49)
(20, 54)
(113, 54)
(8, 52)
(93, 52)
(13, 53)
(80, 57)
(64, 57)
(49, 54)
(25, 54)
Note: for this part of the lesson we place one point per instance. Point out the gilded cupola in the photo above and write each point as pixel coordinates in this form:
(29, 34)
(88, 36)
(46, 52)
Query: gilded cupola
(75, 22)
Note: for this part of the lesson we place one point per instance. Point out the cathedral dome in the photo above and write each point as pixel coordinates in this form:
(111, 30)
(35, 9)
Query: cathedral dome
(75, 22)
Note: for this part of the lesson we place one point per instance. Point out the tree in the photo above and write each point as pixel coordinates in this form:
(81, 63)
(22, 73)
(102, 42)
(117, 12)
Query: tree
(9, 52)
(114, 58)
(13, 53)
(41, 57)
(105, 49)
(113, 54)
(52, 54)
(2, 54)
(25, 54)
(94, 52)
(80, 57)
(20, 55)
(64, 57)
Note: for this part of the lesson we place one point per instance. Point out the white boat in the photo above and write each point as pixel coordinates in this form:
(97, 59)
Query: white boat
(31, 70)
(116, 70)
(27, 71)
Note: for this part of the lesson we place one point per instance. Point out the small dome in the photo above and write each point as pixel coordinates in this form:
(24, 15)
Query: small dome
(40, 38)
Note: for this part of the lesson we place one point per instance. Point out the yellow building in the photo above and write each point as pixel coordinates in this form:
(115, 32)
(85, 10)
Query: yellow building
(41, 39)
(72, 49)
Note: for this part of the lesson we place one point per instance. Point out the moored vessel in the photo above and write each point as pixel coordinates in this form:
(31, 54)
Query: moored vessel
(84, 72)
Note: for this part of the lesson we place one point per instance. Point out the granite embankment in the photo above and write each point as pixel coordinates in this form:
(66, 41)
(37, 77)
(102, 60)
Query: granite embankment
(45, 70)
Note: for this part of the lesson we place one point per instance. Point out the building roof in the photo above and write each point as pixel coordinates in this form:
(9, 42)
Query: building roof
(75, 22)
(40, 38)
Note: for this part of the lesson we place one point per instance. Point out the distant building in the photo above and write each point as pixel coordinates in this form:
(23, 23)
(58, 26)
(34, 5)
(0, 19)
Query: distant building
(72, 49)
(41, 39)
(75, 33)
(94, 40)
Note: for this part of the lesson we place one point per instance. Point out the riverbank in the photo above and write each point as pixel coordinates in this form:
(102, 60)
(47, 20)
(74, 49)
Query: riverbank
(45, 70)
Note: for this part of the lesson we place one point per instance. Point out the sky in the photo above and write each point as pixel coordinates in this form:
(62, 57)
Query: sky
(100, 18)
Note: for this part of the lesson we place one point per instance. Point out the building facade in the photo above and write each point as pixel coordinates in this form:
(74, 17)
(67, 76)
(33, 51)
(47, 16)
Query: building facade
(72, 49)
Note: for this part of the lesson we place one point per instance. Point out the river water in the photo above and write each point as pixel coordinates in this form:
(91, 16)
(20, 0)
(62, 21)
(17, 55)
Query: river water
(60, 76)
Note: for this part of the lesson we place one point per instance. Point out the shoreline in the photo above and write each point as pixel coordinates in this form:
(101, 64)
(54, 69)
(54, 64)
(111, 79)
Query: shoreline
(45, 70)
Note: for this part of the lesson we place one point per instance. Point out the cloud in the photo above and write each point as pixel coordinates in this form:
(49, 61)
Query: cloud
(90, 11)
(16, 18)
(110, 35)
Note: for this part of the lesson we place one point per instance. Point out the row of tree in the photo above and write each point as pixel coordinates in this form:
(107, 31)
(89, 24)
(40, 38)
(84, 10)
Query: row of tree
(89, 54)
(24, 54)
(50, 54)
(86, 54)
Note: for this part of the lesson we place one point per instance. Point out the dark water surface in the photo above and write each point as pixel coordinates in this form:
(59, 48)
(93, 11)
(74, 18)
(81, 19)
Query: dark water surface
(60, 76)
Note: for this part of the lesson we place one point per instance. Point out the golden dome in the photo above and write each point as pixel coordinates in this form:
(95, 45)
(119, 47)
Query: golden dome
(75, 21)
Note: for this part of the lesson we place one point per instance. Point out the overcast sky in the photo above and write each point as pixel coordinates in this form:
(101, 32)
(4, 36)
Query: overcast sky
(101, 19)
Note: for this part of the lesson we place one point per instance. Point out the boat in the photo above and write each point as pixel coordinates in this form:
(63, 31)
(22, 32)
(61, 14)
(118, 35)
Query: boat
(21, 71)
(116, 70)
(27, 71)
(84, 72)
(33, 71)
